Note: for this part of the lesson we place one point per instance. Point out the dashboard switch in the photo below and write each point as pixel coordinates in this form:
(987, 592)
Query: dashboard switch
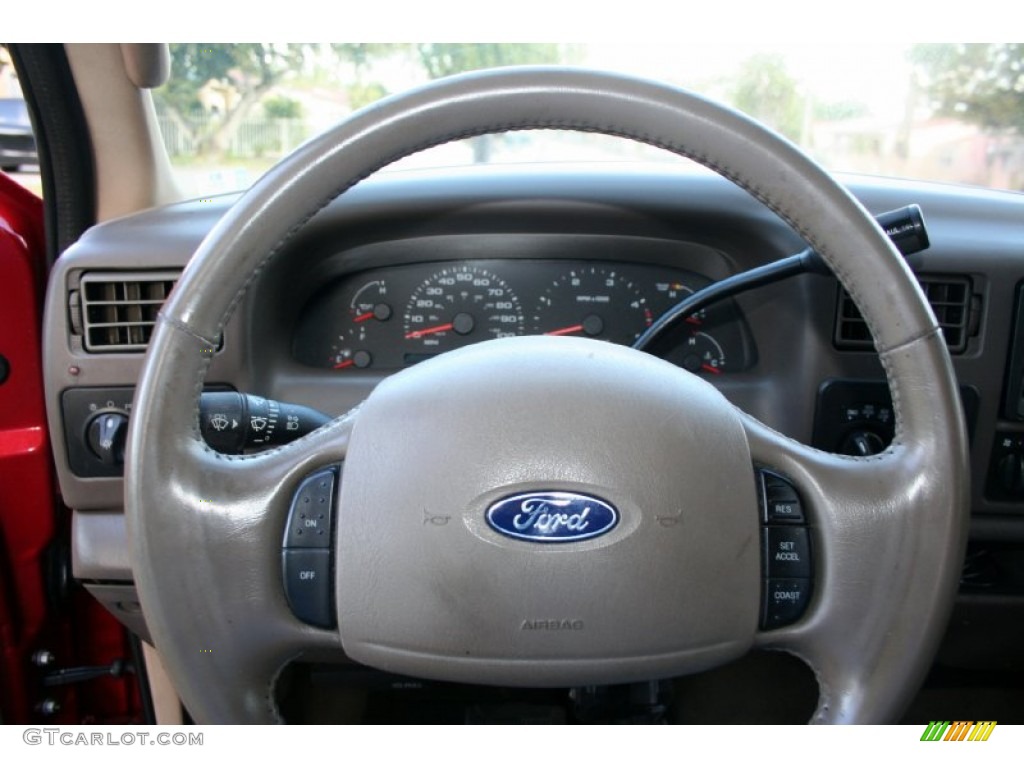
(785, 601)
(307, 584)
(787, 552)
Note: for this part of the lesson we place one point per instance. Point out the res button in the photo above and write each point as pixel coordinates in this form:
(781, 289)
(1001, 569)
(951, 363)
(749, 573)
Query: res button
(781, 501)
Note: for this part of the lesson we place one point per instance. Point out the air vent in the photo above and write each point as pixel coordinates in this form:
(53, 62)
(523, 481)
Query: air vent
(119, 309)
(950, 297)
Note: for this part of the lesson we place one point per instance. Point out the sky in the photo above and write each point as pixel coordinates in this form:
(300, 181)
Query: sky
(874, 74)
(785, 22)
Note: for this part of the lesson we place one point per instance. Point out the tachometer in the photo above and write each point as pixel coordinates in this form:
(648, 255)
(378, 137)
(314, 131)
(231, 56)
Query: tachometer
(457, 306)
(593, 301)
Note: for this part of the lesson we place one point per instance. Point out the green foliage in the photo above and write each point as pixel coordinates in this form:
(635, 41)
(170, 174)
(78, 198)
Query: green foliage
(982, 83)
(443, 59)
(767, 92)
(360, 94)
(840, 110)
(247, 66)
(249, 70)
(362, 54)
(281, 107)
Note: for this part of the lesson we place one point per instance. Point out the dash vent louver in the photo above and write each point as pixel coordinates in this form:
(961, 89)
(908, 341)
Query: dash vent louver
(118, 310)
(950, 299)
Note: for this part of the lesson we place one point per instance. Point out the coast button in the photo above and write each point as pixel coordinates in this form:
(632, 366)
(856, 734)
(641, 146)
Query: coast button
(785, 601)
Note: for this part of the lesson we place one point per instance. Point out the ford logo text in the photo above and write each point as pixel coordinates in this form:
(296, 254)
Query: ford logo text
(552, 516)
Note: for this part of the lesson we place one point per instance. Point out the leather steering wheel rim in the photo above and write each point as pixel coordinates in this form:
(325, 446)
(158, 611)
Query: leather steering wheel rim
(205, 529)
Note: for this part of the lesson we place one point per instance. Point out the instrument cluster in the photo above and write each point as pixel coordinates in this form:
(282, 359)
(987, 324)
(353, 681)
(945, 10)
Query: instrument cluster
(390, 318)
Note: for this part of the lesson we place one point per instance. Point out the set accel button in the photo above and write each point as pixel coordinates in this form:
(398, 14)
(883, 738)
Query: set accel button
(787, 553)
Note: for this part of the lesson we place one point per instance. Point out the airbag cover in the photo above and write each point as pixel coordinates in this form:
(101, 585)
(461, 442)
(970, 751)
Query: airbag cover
(427, 586)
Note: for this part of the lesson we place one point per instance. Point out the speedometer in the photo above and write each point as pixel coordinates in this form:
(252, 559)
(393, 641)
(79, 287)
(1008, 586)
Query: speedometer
(457, 306)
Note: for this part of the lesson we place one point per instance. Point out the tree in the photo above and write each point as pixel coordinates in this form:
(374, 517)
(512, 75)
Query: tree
(444, 59)
(362, 56)
(767, 92)
(982, 83)
(246, 71)
(282, 108)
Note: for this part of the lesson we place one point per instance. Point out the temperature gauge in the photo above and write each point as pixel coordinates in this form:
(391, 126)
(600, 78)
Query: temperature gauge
(366, 312)
(703, 354)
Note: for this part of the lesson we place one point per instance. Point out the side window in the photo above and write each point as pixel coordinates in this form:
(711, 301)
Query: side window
(18, 154)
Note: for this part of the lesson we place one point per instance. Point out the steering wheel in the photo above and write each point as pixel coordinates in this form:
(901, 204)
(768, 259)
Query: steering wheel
(464, 602)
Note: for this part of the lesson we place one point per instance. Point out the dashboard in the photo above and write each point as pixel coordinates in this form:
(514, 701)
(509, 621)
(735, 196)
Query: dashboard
(410, 265)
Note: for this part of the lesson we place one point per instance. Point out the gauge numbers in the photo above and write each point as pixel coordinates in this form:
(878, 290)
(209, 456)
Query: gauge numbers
(460, 305)
(593, 301)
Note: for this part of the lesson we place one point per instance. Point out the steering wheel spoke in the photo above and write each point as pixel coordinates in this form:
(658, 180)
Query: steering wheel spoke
(213, 530)
(882, 554)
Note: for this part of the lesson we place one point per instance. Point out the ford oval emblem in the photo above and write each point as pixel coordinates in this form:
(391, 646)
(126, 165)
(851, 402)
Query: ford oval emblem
(552, 516)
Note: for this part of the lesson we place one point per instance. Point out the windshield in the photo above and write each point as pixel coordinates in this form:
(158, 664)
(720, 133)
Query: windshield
(941, 112)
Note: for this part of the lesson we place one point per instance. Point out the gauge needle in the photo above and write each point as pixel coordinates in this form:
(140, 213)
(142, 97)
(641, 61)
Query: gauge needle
(363, 317)
(429, 331)
(693, 320)
(344, 364)
(710, 368)
(565, 331)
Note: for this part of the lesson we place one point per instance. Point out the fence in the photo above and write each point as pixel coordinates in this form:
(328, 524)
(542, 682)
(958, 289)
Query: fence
(254, 136)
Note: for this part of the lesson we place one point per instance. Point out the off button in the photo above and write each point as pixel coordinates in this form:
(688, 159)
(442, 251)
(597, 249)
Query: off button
(307, 585)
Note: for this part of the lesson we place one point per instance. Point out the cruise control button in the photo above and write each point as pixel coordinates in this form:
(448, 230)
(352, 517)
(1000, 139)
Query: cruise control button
(307, 584)
(311, 515)
(787, 553)
(782, 503)
(785, 601)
